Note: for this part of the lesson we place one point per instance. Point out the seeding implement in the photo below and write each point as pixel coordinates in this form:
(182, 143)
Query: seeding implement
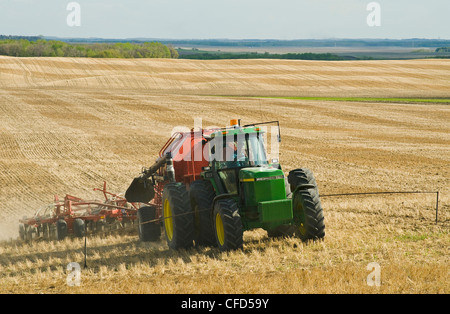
(208, 186)
(77, 217)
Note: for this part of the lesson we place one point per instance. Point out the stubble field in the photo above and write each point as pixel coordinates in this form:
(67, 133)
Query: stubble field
(67, 125)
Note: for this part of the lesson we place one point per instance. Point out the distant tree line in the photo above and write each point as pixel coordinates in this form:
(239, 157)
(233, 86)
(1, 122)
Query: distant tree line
(31, 38)
(254, 55)
(443, 49)
(53, 48)
(270, 43)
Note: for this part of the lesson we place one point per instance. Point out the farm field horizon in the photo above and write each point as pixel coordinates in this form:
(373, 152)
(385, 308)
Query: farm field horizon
(68, 124)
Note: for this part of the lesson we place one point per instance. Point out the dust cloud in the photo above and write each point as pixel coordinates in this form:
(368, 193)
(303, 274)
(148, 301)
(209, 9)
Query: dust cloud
(9, 228)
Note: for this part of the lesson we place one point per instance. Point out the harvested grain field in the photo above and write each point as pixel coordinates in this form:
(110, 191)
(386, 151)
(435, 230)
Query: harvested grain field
(66, 125)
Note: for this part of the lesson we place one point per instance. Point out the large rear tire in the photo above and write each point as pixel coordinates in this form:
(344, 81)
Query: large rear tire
(202, 196)
(177, 216)
(228, 225)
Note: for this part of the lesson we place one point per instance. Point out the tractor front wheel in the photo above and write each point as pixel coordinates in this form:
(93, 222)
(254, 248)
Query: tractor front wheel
(308, 215)
(228, 225)
(307, 208)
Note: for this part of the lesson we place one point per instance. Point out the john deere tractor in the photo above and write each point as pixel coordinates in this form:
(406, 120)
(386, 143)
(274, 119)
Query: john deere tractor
(209, 186)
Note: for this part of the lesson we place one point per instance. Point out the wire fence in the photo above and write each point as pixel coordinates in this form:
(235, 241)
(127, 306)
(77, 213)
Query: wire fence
(390, 192)
(324, 196)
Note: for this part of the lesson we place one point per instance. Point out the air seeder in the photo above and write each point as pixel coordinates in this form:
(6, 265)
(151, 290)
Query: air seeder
(208, 186)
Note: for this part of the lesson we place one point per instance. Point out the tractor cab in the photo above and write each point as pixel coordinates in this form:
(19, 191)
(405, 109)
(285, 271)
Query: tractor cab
(232, 150)
(239, 168)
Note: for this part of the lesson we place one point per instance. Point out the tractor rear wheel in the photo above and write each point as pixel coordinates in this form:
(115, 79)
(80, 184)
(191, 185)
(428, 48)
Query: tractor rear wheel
(202, 196)
(177, 216)
(149, 229)
(228, 225)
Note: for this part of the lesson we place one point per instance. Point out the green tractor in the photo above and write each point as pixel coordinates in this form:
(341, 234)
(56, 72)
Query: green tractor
(209, 186)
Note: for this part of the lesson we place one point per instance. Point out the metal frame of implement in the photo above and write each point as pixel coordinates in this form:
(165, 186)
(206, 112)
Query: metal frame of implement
(97, 216)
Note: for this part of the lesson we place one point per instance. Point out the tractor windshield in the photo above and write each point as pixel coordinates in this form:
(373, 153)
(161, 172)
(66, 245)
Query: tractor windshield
(242, 150)
(256, 150)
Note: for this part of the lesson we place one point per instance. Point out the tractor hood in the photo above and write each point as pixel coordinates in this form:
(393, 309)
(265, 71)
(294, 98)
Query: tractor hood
(261, 184)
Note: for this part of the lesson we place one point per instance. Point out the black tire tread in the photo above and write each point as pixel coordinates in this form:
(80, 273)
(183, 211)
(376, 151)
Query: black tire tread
(149, 230)
(310, 202)
(202, 194)
(314, 219)
(61, 229)
(301, 176)
(183, 220)
(232, 224)
(79, 228)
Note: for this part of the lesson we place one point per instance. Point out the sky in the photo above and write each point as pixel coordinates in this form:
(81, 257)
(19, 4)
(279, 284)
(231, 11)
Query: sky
(232, 19)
